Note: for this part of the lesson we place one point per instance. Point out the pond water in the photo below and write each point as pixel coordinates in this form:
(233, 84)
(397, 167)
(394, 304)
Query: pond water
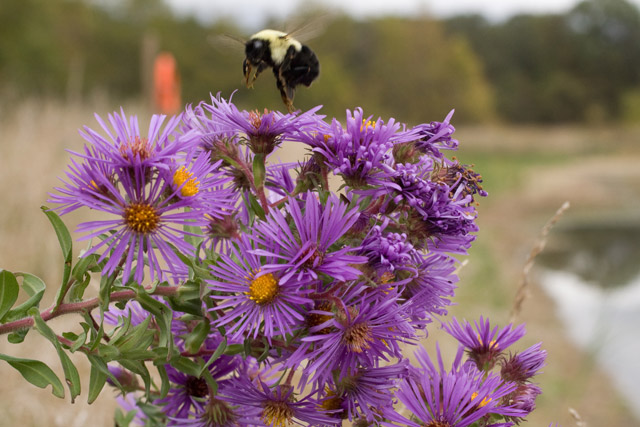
(592, 273)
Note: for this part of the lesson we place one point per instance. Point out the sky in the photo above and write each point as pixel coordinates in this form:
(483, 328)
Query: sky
(252, 14)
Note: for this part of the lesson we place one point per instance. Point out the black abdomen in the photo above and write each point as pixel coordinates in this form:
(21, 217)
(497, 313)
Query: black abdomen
(303, 69)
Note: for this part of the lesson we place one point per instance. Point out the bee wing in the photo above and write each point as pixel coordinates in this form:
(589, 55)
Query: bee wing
(305, 30)
(227, 43)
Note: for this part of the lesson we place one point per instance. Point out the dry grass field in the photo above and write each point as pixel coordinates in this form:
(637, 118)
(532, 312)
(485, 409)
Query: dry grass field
(529, 173)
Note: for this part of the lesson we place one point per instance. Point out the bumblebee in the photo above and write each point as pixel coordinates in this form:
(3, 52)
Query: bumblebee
(293, 63)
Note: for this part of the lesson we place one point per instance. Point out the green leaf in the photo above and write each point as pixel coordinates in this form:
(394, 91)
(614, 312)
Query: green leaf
(186, 365)
(37, 373)
(84, 264)
(138, 368)
(256, 208)
(216, 354)
(106, 284)
(234, 349)
(163, 316)
(99, 363)
(165, 382)
(96, 336)
(81, 276)
(198, 270)
(70, 372)
(139, 338)
(34, 287)
(9, 290)
(195, 338)
(122, 419)
(64, 238)
(18, 336)
(213, 384)
(259, 171)
(78, 340)
(97, 379)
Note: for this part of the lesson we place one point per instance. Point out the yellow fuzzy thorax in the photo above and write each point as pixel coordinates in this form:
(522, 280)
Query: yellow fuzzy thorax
(279, 43)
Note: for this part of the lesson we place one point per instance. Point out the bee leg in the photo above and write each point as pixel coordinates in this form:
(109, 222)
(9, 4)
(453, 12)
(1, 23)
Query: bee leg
(259, 69)
(288, 102)
(287, 92)
(246, 71)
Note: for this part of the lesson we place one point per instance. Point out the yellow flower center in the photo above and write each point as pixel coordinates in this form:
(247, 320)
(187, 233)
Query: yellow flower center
(493, 345)
(484, 401)
(191, 185)
(366, 124)
(263, 289)
(277, 414)
(141, 217)
(332, 401)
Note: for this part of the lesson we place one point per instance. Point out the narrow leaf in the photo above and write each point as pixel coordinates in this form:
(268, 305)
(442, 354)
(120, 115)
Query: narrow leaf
(259, 171)
(34, 287)
(163, 317)
(9, 290)
(37, 373)
(97, 379)
(216, 354)
(64, 238)
(70, 372)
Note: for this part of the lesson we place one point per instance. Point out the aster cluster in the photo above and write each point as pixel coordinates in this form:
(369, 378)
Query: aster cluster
(299, 286)
(488, 388)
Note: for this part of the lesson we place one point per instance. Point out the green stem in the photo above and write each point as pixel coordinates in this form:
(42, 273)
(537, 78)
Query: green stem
(79, 307)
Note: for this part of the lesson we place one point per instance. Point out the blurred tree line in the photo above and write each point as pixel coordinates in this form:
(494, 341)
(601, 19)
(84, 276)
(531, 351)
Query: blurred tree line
(582, 66)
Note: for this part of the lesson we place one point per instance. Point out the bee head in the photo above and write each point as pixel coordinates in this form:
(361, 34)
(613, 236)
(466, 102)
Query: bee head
(255, 50)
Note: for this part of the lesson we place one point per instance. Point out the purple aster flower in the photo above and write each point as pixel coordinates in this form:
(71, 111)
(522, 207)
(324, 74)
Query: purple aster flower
(207, 134)
(360, 152)
(279, 180)
(201, 178)
(460, 179)
(215, 413)
(186, 393)
(150, 215)
(455, 398)
(263, 131)
(126, 146)
(520, 367)
(524, 399)
(361, 332)
(304, 249)
(387, 252)
(362, 393)
(221, 232)
(484, 345)
(439, 219)
(428, 292)
(253, 299)
(436, 136)
(275, 406)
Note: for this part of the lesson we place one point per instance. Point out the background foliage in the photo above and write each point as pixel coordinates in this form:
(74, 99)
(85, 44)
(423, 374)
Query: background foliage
(581, 66)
